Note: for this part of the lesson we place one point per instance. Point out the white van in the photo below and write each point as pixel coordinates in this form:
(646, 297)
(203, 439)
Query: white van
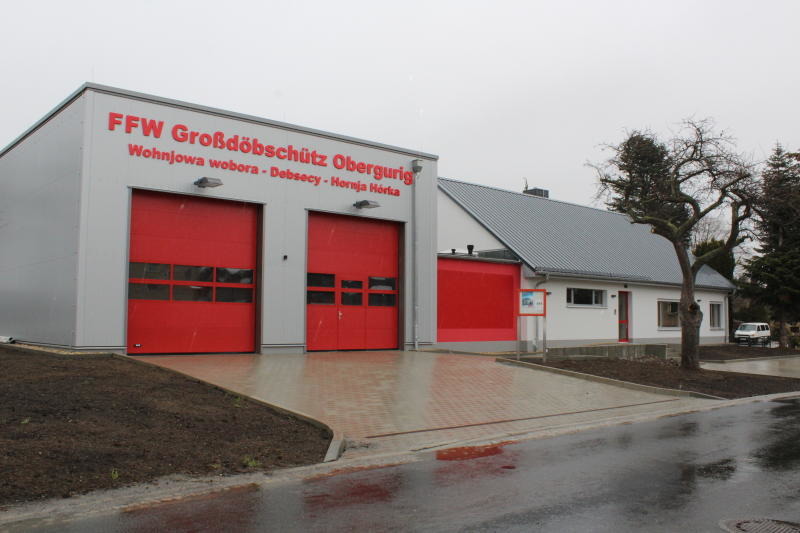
(752, 333)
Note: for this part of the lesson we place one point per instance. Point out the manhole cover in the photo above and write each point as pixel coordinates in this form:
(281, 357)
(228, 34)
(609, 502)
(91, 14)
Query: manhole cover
(759, 525)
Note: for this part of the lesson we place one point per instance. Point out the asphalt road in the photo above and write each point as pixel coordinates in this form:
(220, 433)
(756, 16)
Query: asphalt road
(684, 473)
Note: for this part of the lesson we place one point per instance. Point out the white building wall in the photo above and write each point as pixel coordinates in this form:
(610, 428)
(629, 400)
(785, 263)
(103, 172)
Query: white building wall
(569, 325)
(40, 183)
(457, 228)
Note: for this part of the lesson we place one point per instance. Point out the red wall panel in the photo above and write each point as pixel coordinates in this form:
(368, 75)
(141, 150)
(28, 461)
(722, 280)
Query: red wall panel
(477, 300)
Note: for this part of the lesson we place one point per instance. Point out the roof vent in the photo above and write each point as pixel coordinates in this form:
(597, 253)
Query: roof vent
(541, 193)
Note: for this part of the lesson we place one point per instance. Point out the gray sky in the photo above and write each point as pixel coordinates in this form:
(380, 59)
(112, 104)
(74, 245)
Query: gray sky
(499, 90)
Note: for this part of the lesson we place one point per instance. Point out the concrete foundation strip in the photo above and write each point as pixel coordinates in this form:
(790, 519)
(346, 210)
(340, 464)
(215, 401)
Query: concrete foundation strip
(610, 381)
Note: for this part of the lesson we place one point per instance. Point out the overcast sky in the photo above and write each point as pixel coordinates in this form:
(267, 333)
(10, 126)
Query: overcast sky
(501, 91)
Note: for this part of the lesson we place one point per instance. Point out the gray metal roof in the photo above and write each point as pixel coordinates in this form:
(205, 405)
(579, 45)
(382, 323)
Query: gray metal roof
(574, 240)
(209, 110)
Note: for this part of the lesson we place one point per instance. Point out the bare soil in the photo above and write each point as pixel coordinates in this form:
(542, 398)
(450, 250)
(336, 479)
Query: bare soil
(727, 352)
(667, 373)
(72, 424)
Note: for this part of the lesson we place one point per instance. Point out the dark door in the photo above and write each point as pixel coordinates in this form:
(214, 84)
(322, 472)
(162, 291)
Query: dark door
(624, 316)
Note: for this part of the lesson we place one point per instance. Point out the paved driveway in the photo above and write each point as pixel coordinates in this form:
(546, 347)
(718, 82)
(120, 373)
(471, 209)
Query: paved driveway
(392, 401)
(786, 367)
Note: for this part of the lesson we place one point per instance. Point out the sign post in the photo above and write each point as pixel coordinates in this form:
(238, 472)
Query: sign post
(532, 302)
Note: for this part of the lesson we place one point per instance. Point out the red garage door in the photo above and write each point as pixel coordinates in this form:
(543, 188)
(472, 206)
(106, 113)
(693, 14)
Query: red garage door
(476, 300)
(192, 274)
(352, 293)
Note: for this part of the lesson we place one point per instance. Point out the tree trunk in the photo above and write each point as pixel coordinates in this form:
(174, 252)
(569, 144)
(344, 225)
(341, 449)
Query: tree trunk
(689, 312)
(783, 331)
(691, 318)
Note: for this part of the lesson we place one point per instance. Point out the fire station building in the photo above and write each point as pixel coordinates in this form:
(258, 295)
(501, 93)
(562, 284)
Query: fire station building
(136, 223)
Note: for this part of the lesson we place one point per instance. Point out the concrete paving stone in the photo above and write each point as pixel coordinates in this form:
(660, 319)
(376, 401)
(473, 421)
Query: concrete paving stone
(388, 401)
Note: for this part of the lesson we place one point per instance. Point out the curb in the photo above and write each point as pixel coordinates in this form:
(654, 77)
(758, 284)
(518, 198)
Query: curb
(772, 358)
(54, 353)
(610, 381)
(335, 448)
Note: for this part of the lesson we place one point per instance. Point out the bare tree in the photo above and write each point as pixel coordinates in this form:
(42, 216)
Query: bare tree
(673, 186)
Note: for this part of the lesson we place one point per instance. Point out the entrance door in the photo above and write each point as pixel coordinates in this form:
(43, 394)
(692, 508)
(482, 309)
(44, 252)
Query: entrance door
(352, 283)
(624, 314)
(192, 274)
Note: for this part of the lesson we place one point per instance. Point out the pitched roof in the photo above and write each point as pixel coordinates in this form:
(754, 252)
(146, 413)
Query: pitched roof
(570, 239)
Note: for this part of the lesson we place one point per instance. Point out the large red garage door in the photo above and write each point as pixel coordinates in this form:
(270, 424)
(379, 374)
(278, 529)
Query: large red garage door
(476, 300)
(192, 274)
(352, 291)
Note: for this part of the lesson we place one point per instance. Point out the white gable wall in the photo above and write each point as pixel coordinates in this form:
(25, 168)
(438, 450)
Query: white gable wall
(456, 228)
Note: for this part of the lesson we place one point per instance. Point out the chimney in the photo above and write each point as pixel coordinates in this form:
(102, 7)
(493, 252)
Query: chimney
(541, 193)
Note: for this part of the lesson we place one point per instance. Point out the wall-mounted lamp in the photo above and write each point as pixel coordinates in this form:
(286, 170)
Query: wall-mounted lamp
(366, 204)
(208, 182)
(613, 295)
(416, 166)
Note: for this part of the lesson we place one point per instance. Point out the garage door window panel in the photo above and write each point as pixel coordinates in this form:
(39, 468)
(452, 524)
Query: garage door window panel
(158, 271)
(192, 293)
(321, 297)
(193, 273)
(382, 284)
(321, 280)
(148, 291)
(234, 295)
(234, 275)
(352, 298)
(382, 300)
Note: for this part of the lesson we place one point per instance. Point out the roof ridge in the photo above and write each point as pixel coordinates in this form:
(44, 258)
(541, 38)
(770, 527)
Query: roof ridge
(532, 196)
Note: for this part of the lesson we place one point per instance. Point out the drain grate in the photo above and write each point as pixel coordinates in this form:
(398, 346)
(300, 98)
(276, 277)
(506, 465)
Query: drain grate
(759, 525)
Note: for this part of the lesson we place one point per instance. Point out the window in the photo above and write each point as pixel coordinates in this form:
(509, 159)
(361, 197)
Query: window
(149, 271)
(191, 293)
(668, 315)
(382, 284)
(382, 300)
(234, 295)
(352, 298)
(234, 275)
(715, 315)
(586, 297)
(321, 297)
(148, 291)
(192, 273)
(320, 280)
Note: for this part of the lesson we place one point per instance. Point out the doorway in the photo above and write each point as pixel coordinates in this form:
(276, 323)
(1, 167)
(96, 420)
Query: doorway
(624, 316)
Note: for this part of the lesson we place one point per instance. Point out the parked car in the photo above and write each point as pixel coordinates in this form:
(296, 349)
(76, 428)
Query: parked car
(753, 333)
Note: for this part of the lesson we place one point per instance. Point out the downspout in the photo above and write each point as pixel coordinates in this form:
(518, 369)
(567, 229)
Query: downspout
(544, 319)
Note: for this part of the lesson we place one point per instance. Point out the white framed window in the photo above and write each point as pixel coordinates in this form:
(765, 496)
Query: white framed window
(586, 297)
(715, 315)
(668, 314)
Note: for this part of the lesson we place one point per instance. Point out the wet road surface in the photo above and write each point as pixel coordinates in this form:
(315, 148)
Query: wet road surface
(683, 473)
